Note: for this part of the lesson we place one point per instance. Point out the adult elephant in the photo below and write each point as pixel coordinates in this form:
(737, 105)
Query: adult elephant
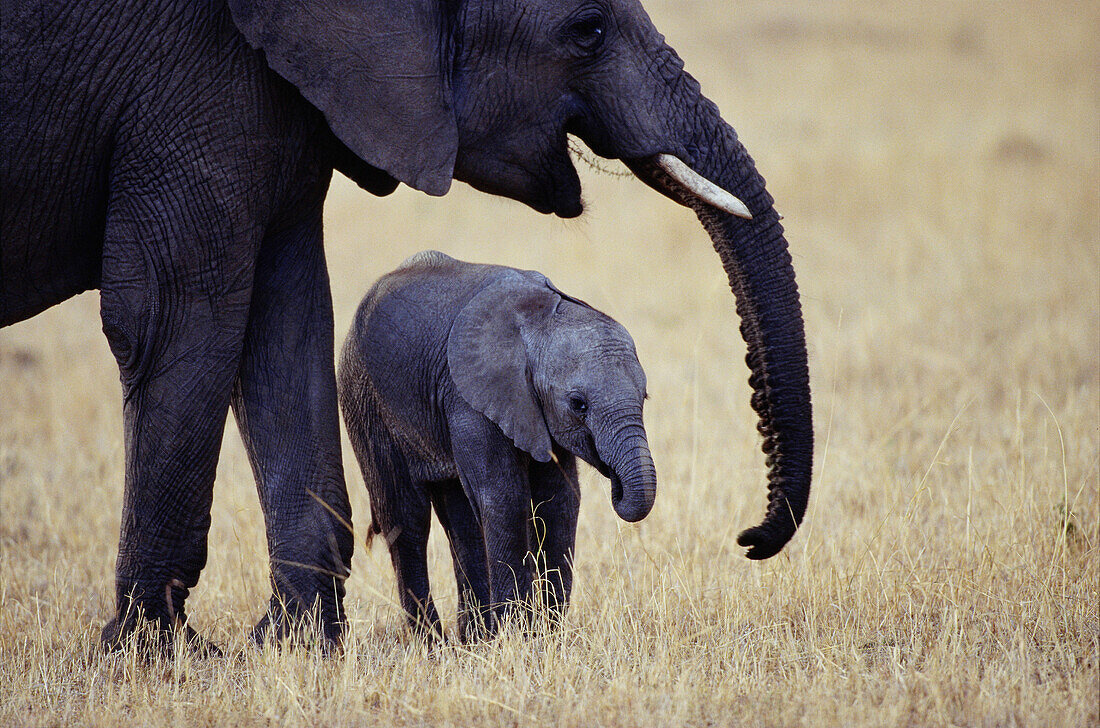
(175, 154)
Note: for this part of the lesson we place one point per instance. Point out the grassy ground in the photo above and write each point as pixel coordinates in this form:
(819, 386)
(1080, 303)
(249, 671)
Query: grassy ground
(939, 166)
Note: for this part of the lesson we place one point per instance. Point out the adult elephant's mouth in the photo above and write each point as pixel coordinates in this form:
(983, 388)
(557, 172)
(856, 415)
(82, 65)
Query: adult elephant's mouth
(556, 187)
(547, 182)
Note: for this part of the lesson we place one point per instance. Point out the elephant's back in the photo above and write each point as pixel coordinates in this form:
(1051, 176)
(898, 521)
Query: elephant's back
(394, 360)
(413, 306)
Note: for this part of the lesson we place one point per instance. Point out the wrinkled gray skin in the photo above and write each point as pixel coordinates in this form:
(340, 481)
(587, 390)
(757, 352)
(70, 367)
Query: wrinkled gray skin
(473, 388)
(175, 154)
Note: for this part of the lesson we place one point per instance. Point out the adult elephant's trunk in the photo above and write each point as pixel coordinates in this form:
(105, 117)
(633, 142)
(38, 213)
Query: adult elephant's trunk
(633, 478)
(754, 255)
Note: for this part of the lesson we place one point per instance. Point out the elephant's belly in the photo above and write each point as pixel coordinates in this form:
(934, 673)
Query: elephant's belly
(47, 258)
(62, 87)
(53, 212)
(20, 302)
(431, 470)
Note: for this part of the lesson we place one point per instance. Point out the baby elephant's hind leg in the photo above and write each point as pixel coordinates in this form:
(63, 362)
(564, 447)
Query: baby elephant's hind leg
(406, 532)
(453, 509)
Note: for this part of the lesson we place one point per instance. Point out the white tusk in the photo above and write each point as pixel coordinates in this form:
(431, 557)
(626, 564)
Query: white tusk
(701, 187)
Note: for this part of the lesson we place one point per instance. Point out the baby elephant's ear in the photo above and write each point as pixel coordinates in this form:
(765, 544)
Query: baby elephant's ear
(376, 70)
(488, 359)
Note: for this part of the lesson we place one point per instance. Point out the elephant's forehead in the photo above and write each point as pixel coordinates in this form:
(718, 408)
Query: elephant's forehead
(595, 360)
(600, 337)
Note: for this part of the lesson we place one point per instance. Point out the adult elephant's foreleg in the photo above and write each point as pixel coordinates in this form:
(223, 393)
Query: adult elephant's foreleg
(175, 324)
(285, 404)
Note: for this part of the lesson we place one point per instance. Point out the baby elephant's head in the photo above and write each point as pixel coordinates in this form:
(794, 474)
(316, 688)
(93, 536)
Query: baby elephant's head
(548, 368)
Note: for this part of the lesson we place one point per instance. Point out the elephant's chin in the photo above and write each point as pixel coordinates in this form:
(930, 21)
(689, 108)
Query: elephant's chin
(565, 203)
(570, 208)
(547, 183)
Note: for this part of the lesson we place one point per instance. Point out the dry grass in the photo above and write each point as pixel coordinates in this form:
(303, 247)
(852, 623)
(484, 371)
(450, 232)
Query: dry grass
(939, 167)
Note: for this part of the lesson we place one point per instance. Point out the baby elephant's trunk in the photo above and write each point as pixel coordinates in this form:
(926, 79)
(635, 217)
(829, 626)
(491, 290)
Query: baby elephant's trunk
(633, 477)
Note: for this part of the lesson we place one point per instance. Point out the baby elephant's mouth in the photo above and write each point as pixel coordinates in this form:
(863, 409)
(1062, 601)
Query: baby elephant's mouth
(603, 468)
(616, 484)
(616, 490)
(591, 455)
(613, 476)
(632, 506)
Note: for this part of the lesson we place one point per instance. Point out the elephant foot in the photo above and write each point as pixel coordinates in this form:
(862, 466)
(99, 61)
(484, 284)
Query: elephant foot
(155, 638)
(526, 618)
(287, 626)
(157, 626)
(430, 632)
(473, 628)
(519, 616)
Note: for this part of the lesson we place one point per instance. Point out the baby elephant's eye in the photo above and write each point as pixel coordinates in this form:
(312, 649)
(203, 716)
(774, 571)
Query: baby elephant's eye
(578, 404)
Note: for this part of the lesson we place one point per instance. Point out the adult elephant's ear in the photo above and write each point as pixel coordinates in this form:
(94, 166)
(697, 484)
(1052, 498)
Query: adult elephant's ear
(487, 356)
(376, 71)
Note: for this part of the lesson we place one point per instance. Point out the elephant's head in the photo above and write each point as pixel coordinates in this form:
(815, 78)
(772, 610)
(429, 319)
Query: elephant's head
(549, 369)
(487, 92)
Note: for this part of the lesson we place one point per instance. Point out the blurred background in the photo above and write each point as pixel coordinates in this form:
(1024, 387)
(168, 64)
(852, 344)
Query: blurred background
(938, 167)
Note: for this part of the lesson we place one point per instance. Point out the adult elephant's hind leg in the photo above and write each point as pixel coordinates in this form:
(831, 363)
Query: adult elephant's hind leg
(285, 404)
(174, 304)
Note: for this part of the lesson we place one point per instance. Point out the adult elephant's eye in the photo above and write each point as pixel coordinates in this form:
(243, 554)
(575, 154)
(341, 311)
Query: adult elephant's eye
(578, 404)
(587, 31)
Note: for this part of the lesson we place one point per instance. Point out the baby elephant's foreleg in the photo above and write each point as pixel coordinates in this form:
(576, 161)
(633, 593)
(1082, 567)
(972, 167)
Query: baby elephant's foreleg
(494, 474)
(555, 503)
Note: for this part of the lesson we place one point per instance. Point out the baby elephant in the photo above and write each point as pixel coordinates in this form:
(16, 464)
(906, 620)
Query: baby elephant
(473, 388)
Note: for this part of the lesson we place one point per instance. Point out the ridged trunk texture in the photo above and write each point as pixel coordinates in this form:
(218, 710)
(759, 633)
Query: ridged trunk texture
(755, 257)
(633, 476)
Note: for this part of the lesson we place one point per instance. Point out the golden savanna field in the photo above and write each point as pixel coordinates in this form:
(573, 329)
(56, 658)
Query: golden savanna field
(938, 166)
